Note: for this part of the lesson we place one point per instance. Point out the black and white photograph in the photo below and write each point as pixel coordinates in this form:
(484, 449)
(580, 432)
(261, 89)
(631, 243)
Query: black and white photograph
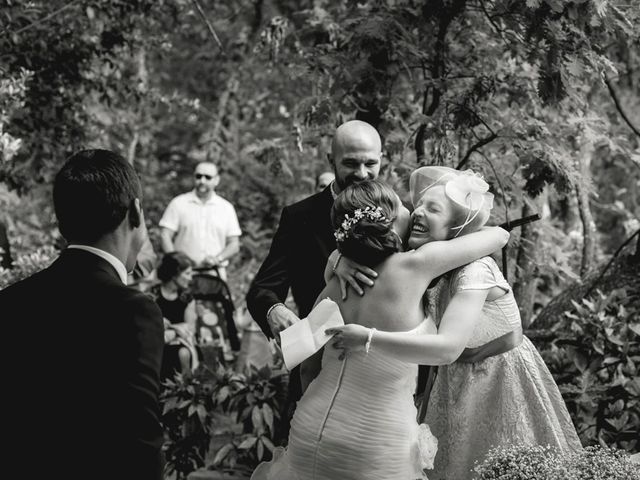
(320, 239)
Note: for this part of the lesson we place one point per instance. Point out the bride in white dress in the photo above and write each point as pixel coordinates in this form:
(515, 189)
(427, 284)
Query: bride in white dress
(357, 419)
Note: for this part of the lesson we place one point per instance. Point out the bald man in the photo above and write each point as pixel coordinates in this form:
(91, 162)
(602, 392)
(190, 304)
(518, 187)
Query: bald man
(304, 239)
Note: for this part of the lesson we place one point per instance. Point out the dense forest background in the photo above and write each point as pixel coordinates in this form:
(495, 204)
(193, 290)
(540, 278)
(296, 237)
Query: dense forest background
(541, 96)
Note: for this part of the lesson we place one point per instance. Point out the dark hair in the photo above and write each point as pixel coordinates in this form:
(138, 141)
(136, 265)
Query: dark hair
(172, 264)
(92, 194)
(369, 241)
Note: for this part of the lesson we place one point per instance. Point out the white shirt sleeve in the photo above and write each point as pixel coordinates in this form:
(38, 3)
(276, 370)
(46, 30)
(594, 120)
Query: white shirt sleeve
(171, 217)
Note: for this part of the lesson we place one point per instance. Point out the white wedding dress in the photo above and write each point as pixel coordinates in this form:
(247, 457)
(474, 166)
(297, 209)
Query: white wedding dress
(356, 421)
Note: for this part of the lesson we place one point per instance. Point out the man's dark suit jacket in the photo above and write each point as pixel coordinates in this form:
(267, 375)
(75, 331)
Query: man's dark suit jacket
(81, 356)
(297, 258)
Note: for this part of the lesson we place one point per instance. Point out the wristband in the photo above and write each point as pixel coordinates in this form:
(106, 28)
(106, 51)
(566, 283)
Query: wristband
(335, 264)
(272, 307)
(367, 345)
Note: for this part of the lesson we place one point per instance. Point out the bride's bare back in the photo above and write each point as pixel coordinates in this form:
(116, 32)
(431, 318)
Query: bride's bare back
(393, 303)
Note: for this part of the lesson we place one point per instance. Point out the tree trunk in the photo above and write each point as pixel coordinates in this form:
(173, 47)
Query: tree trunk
(526, 282)
(212, 138)
(624, 272)
(586, 217)
(142, 77)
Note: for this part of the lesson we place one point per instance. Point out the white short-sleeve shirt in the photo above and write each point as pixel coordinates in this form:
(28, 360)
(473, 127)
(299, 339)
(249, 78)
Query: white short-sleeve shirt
(202, 228)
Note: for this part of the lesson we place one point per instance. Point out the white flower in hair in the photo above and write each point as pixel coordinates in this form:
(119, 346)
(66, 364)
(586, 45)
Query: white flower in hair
(372, 213)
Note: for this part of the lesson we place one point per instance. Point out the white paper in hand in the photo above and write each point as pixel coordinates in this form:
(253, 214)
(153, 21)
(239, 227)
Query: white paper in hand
(306, 337)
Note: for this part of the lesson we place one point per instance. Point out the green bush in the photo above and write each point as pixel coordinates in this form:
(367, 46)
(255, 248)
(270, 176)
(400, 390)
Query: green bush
(594, 354)
(255, 398)
(188, 405)
(546, 463)
(26, 265)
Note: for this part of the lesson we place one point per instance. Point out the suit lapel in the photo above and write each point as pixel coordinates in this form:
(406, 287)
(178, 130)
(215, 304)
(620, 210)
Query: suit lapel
(320, 222)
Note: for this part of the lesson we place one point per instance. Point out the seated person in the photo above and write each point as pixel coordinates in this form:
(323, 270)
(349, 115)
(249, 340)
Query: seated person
(178, 309)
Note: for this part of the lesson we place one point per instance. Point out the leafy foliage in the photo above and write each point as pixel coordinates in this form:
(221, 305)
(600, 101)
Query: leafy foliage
(186, 416)
(546, 463)
(190, 404)
(26, 265)
(255, 397)
(594, 355)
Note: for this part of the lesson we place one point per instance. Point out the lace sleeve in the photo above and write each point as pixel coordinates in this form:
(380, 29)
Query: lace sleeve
(482, 274)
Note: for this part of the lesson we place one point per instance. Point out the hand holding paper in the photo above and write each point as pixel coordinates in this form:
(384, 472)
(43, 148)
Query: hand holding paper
(306, 337)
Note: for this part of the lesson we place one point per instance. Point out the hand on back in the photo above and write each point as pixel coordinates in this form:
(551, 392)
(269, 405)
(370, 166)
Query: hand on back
(352, 274)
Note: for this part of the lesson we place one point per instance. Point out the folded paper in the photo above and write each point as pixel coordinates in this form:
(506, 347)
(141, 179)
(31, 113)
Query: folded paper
(306, 337)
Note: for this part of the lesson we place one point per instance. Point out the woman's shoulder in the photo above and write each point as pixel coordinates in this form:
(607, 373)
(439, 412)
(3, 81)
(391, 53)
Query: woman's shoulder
(484, 264)
(481, 273)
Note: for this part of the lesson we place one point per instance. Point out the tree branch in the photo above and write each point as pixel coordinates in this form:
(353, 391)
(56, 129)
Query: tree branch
(613, 257)
(504, 195)
(447, 15)
(616, 100)
(422, 129)
(44, 19)
(209, 26)
(481, 143)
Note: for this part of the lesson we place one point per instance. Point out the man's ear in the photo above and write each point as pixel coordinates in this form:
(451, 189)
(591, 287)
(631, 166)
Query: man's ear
(135, 213)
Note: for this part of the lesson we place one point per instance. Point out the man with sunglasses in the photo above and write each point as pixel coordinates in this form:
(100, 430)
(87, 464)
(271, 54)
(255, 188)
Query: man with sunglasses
(201, 223)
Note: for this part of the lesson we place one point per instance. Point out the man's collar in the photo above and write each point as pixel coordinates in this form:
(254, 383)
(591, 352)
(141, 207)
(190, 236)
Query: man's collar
(111, 259)
(196, 198)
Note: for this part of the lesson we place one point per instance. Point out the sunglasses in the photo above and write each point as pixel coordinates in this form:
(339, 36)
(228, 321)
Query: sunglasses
(202, 175)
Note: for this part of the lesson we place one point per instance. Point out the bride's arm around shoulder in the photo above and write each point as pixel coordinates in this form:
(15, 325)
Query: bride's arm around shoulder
(439, 257)
(443, 348)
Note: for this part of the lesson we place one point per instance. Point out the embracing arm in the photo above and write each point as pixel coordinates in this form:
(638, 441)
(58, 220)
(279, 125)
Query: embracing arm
(442, 348)
(497, 346)
(349, 273)
(440, 257)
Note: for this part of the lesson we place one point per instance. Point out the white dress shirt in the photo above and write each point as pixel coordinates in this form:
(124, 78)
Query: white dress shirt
(115, 262)
(202, 228)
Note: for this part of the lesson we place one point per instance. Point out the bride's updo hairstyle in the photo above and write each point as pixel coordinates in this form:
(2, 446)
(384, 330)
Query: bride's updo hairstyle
(362, 217)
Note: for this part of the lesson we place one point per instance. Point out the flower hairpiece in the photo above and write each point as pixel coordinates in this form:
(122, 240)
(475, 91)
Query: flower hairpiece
(470, 191)
(372, 213)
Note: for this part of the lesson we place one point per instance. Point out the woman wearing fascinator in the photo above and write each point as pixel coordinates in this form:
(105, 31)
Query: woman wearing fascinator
(505, 399)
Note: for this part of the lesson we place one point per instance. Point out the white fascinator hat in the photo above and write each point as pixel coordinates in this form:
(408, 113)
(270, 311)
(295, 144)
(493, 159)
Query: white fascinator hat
(466, 190)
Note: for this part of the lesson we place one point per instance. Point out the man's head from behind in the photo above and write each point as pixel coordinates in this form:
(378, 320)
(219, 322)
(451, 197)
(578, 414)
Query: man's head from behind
(356, 151)
(93, 194)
